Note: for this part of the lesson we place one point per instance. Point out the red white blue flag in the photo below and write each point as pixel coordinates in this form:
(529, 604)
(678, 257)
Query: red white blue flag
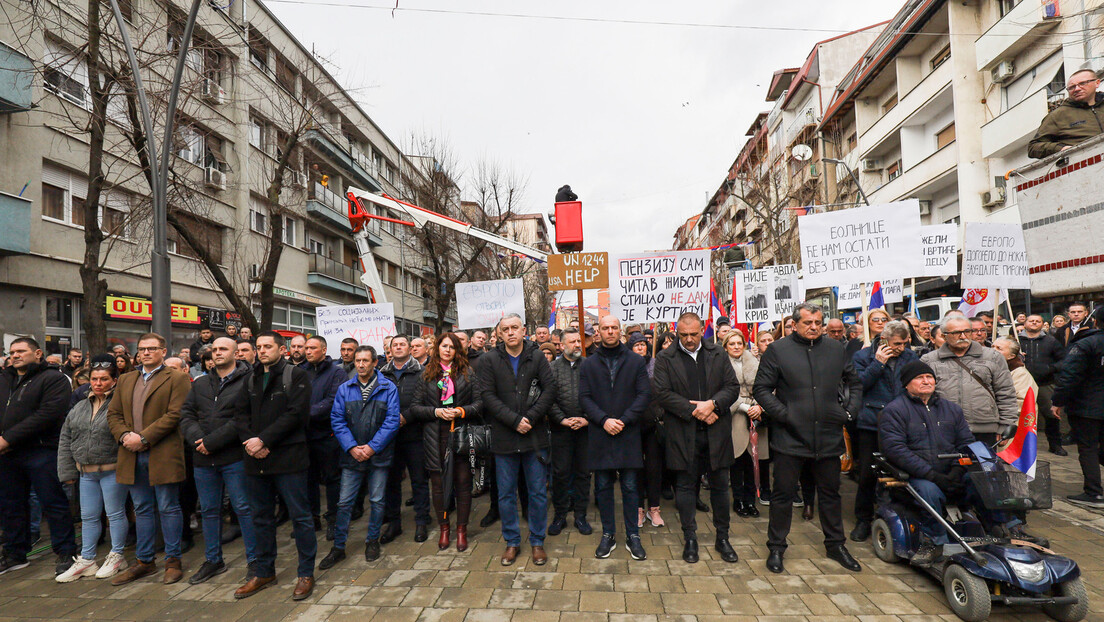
(1023, 450)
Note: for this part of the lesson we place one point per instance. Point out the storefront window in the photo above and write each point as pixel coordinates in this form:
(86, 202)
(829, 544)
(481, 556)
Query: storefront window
(59, 312)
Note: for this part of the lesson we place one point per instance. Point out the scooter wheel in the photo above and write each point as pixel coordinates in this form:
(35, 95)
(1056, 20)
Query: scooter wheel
(967, 594)
(881, 538)
(1069, 613)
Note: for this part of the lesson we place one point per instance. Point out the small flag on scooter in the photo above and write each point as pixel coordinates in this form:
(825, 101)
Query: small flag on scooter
(1023, 450)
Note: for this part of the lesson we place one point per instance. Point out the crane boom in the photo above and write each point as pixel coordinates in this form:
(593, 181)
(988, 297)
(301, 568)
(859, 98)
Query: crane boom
(359, 219)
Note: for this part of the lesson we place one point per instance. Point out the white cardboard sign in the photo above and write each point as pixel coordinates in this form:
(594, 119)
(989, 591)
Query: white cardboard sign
(862, 244)
(481, 304)
(994, 256)
(850, 296)
(659, 286)
(940, 249)
(788, 290)
(753, 292)
(368, 324)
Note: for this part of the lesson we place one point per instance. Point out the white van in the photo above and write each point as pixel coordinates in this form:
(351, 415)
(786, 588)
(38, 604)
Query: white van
(933, 309)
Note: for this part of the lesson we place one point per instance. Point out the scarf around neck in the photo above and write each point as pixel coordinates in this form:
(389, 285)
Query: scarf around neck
(445, 384)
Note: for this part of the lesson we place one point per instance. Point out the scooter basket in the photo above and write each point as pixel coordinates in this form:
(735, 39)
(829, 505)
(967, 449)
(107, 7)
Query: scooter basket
(1007, 489)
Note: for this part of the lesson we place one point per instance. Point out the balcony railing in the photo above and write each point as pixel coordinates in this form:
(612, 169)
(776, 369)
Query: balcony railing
(322, 265)
(328, 198)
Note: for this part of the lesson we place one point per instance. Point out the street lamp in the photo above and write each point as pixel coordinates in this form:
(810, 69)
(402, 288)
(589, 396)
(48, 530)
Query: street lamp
(850, 172)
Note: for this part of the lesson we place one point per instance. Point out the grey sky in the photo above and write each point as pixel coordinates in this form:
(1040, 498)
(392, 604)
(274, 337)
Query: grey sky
(642, 120)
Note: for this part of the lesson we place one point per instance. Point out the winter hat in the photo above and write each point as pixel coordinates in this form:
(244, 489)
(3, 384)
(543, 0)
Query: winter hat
(636, 338)
(914, 369)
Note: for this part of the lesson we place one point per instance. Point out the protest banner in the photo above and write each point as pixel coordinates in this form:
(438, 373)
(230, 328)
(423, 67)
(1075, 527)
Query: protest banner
(569, 271)
(994, 256)
(850, 296)
(753, 294)
(368, 324)
(940, 250)
(659, 286)
(861, 244)
(481, 304)
(788, 290)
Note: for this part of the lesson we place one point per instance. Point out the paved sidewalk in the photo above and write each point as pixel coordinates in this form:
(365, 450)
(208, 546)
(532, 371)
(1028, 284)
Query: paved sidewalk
(416, 582)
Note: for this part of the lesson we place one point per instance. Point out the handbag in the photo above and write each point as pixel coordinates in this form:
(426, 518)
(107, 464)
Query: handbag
(472, 440)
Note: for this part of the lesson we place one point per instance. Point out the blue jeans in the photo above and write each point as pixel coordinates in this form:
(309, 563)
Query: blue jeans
(166, 498)
(938, 499)
(630, 500)
(22, 470)
(351, 481)
(508, 468)
(261, 490)
(100, 492)
(209, 485)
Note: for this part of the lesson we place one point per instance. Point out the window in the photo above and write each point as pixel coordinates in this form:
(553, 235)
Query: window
(63, 195)
(945, 136)
(290, 230)
(126, 7)
(53, 202)
(890, 103)
(258, 216)
(941, 56)
(65, 75)
(206, 234)
(1006, 6)
(117, 111)
(294, 317)
(285, 75)
(316, 247)
(256, 133)
(189, 144)
(392, 275)
(59, 312)
(893, 171)
(115, 213)
(852, 141)
(258, 52)
(213, 157)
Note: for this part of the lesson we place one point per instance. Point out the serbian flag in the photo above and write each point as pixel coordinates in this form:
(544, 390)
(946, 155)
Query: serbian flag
(975, 301)
(1023, 450)
(877, 301)
(714, 312)
(552, 318)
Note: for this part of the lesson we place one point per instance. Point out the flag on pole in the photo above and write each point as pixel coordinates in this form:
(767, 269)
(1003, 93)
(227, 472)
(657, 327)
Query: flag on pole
(552, 317)
(975, 301)
(1023, 450)
(877, 301)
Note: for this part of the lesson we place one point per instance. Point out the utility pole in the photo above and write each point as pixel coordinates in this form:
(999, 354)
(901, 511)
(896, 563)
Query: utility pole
(160, 273)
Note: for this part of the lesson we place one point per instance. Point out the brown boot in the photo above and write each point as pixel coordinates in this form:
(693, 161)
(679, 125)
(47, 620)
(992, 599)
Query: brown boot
(253, 585)
(509, 555)
(443, 543)
(137, 571)
(303, 588)
(173, 570)
(539, 557)
(461, 538)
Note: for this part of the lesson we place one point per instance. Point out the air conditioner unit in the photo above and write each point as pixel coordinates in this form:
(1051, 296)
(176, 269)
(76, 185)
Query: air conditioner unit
(925, 208)
(215, 178)
(254, 271)
(1003, 72)
(871, 165)
(993, 198)
(212, 91)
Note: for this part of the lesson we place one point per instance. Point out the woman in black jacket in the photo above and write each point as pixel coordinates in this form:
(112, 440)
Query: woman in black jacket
(446, 397)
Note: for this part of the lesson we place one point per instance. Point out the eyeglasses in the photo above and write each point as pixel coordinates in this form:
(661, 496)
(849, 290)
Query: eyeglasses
(1080, 85)
(957, 333)
(103, 365)
(878, 319)
(151, 349)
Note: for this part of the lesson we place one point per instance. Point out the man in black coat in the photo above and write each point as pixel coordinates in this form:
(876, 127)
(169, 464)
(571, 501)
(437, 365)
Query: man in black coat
(1042, 354)
(326, 376)
(799, 387)
(272, 418)
(614, 391)
(518, 390)
(34, 401)
(695, 385)
(405, 373)
(570, 475)
(1079, 395)
(207, 423)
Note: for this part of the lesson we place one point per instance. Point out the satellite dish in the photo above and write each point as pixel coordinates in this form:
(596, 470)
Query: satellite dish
(801, 153)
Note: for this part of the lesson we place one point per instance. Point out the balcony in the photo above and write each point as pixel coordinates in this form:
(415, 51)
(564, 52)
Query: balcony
(330, 208)
(1014, 128)
(923, 173)
(15, 235)
(16, 75)
(1014, 32)
(806, 119)
(354, 170)
(325, 272)
(909, 104)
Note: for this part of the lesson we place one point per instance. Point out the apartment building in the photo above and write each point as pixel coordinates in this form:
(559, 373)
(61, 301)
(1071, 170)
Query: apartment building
(249, 86)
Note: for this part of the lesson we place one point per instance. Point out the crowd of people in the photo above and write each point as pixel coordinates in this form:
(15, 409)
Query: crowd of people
(238, 434)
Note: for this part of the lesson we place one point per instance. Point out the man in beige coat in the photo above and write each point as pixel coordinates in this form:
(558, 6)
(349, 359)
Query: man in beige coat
(144, 415)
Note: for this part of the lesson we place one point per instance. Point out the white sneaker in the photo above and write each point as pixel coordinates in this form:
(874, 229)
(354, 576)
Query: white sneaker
(81, 568)
(113, 565)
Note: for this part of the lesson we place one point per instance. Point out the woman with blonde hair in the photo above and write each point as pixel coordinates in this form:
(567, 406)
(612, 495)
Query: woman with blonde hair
(744, 412)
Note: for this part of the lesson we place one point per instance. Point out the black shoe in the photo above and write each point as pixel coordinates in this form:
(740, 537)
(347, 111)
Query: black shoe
(330, 560)
(667, 492)
(1019, 533)
(371, 550)
(330, 528)
(861, 532)
(557, 525)
(1058, 450)
(391, 532)
(230, 533)
(8, 564)
(1087, 500)
(752, 511)
(690, 551)
(926, 554)
(357, 513)
(605, 546)
(63, 563)
(582, 526)
(186, 544)
(635, 548)
(702, 506)
(206, 571)
(774, 562)
(724, 548)
(843, 557)
(491, 517)
(421, 533)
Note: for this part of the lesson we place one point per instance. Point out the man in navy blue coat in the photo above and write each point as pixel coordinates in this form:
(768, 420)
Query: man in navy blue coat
(614, 391)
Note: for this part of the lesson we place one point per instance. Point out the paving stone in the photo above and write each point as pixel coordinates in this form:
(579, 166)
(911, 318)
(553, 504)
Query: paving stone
(894, 604)
(781, 604)
(512, 598)
(608, 602)
(489, 615)
(484, 579)
(422, 596)
(538, 580)
(266, 612)
(693, 604)
(584, 616)
(632, 617)
(854, 604)
(643, 604)
(384, 596)
(464, 597)
(526, 615)
(557, 600)
(442, 615)
(588, 582)
(834, 584)
(397, 614)
(352, 613)
(343, 595)
(739, 604)
(410, 578)
(820, 604)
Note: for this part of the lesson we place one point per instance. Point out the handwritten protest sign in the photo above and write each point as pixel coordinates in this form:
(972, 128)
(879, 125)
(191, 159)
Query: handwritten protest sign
(480, 304)
(368, 324)
(861, 244)
(850, 296)
(787, 289)
(753, 294)
(940, 250)
(659, 287)
(994, 256)
(578, 271)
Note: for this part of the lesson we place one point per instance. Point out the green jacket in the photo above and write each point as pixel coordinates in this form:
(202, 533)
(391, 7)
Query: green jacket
(1067, 125)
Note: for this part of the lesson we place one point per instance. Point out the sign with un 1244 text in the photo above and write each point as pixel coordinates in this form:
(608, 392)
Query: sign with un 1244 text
(368, 324)
(569, 271)
(861, 244)
(481, 304)
(660, 286)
